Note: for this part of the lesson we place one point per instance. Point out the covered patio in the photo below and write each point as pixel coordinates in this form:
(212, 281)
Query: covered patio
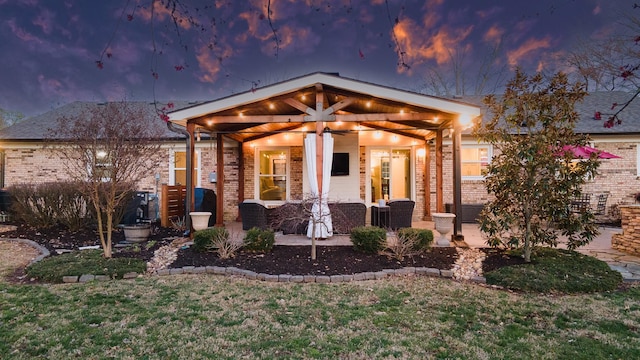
(382, 141)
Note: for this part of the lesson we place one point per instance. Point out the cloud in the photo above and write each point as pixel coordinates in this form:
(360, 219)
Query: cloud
(597, 10)
(21, 33)
(210, 63)
(493, 35)
(527, 51)
(45, 21)
(419, 46)
(161, 13)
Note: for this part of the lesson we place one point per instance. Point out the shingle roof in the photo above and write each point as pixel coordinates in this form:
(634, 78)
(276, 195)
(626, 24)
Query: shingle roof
(596, 101)
(37, 127)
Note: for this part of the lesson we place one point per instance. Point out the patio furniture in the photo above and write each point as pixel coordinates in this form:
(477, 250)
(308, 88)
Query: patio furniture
(380, 215)
(400, 213)
(602, 204)
(347, 215)
(290, 218)
(254, 214)
(580, 203)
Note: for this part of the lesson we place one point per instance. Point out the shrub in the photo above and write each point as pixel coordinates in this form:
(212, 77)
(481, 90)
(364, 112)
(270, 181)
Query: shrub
(408, 242)
(49, 204)
(203, 239)
(369, 239)
(423, 237)
(259, 240)
(217, 240)
(557, 270)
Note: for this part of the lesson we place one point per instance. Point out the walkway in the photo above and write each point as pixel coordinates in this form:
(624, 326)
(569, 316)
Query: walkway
(600, 248)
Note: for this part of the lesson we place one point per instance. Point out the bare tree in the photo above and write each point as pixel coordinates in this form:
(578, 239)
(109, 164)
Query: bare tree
(108, 148)
(8, 118)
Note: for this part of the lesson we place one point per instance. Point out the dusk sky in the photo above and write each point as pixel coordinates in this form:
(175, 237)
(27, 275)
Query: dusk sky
(58, 51)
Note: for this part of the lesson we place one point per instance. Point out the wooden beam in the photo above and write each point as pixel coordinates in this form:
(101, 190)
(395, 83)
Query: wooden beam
(427, 181)
(191, 153)
(439, 196)
(387, 117)
(266, 134)
(220, 183)
(250, 119)
(338, 106)
(299, 105)
(393, 131)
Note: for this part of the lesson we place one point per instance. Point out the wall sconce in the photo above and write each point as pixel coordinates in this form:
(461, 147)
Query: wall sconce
(198, 135)
(421, 152)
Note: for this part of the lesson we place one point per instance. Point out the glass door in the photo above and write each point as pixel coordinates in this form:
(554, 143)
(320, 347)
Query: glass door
(390, 175)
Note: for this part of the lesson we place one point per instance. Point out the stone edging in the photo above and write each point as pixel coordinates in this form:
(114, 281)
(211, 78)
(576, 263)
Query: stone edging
(252, 275)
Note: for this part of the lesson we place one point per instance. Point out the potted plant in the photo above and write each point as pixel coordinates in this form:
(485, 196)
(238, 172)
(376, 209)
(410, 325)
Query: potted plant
(136, 233)
(200, 219)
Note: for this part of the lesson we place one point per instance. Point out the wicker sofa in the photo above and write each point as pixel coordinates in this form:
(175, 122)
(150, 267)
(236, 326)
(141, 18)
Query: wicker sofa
(347, 215)
(254, 213)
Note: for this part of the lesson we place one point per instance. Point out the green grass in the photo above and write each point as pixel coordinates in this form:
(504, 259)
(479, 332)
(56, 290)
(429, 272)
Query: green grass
(52, 269)
(557, 270)
(205, 316)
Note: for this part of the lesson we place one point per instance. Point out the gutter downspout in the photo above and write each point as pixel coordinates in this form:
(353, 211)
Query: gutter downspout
(184, 132)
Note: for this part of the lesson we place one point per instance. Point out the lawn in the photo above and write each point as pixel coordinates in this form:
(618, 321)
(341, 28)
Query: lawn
(205, 316)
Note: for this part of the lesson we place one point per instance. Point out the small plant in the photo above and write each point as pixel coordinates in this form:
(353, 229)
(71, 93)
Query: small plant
(408, 242)
(259, 240)
(178, 223)
(149, 244)
(368, 239)
(423, 237)
(218, 240)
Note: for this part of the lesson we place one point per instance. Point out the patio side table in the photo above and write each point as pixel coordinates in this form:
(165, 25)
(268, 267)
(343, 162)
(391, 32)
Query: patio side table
(380, 215)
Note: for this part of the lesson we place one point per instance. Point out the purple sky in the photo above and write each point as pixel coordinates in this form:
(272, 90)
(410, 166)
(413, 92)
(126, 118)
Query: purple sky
(49, 48)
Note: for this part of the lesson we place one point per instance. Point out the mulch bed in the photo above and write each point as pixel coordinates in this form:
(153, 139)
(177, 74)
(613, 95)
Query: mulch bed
(295, 260)
(330, 260)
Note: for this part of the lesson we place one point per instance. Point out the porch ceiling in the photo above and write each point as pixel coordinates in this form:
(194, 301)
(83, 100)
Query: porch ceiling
(343, 110)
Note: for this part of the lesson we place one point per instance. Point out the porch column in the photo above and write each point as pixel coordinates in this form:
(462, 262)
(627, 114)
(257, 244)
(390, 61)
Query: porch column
(427, 181)
(240, 177)
(190, 187)
(439, 196)
(220, 183)
(457, 183)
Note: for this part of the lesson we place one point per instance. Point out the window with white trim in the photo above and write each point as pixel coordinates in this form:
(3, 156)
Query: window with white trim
(273, 174)
(178, 167)
(474, 161)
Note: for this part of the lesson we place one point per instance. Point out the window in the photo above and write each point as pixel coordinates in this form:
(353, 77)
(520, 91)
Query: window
(100, 169)
(273, 174)
(178, 168)
(474, 161)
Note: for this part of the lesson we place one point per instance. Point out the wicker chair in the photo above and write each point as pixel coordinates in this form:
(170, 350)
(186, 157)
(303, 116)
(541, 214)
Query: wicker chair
(400, 213)
(347, 215)
(254, 214)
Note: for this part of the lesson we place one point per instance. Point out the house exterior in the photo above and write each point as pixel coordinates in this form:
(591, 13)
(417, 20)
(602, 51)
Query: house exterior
(388, 143)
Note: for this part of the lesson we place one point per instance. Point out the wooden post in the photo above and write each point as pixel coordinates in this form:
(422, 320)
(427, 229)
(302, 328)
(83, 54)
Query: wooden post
(439, 196)
(164, 220)
(240, 177)
(427, 181)
(191, 153)
(220, 183)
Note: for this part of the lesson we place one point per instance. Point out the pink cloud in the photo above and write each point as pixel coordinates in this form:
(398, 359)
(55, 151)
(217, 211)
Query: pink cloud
(527, 50)
(494, 34)
(597, 10)
(210, 63)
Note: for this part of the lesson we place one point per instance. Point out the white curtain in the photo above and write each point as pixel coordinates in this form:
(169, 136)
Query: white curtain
(320, 211)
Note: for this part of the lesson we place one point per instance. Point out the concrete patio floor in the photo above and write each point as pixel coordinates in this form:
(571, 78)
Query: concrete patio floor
(600, 247)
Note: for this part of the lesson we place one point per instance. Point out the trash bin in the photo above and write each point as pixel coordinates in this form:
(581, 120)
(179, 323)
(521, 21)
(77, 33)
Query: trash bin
(205, 200)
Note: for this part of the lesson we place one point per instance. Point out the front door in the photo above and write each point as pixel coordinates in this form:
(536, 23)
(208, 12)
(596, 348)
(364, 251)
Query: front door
(390, 175)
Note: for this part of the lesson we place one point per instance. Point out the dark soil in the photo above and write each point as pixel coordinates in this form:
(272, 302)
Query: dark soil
(295, 260)
(330, 260)
(58, 239)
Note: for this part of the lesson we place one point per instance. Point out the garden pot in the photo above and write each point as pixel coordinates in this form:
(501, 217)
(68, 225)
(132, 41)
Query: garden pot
(200, 220)
(444, 225)
(137, 232)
